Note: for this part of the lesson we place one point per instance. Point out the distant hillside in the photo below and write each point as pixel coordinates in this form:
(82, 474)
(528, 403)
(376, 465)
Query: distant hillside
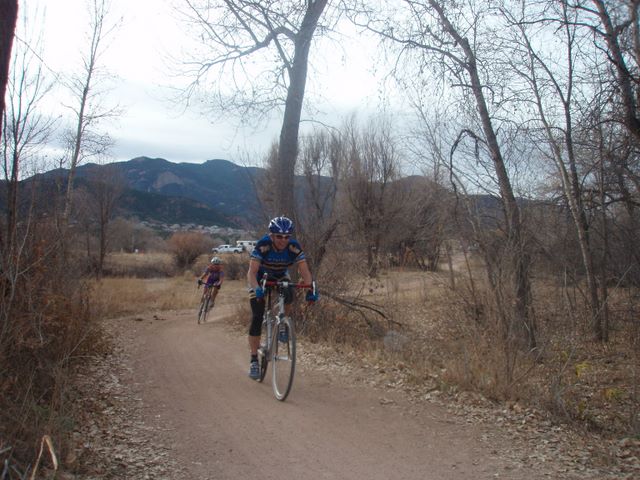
(215, 192)
(152, 207)
(220, 184)
(169, 209)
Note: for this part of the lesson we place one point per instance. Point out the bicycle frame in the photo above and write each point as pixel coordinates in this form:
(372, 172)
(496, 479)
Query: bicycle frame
(207, 297)
(275, 317)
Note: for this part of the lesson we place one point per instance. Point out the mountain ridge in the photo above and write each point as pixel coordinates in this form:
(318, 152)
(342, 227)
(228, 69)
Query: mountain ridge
(216, 191)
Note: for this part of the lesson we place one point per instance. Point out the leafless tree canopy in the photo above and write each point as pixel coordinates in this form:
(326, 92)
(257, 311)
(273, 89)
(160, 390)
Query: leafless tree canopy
(258, 54)
(84, 140)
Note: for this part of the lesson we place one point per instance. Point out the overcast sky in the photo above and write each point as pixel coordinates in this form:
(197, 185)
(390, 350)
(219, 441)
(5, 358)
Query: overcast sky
(154, 126)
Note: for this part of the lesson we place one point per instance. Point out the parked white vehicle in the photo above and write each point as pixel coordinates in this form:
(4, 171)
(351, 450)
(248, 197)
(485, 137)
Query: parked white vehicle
(226, 249)
(246, 245)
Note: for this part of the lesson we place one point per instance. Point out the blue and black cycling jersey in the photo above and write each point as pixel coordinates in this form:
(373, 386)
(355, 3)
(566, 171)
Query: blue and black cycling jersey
(276, 264)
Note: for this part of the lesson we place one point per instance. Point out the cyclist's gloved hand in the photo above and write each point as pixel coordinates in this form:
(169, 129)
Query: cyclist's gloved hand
(259, 293)
(312, 297)
(200, 282)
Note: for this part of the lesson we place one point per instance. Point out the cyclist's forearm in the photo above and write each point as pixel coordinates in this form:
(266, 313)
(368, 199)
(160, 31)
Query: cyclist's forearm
(305, 273)
(252, 274)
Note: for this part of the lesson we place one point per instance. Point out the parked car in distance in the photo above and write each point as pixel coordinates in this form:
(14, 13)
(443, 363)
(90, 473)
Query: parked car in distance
(246, 245)
(226, 249)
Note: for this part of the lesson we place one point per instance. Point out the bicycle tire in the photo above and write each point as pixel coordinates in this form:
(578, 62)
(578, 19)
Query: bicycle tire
(283, 359)
(201, 311)
(263, 350)
(206, 308)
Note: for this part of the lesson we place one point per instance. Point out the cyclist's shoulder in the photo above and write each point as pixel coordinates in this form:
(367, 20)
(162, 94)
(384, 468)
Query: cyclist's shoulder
(263, 246)
(294, 246)
(266, 239)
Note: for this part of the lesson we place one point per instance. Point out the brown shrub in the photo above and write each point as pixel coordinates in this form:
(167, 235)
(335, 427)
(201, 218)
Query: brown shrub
(45, 329)
(186, 247)
(235, 265)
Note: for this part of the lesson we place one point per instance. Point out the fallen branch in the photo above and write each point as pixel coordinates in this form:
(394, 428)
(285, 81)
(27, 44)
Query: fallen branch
(357, 306)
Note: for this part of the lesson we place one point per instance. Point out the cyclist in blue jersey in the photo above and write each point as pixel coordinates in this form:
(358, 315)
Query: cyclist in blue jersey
(273, 254)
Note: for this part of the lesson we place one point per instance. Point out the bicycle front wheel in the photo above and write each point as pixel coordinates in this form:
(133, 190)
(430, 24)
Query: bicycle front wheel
(207, 307)
(204, 310)
(284, 357)
(264, 349)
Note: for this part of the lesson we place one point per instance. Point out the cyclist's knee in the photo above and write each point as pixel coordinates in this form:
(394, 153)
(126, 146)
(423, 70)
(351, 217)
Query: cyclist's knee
(256, 327)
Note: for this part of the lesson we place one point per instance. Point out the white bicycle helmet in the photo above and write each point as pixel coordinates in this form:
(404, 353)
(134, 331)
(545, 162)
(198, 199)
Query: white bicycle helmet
(216, 261)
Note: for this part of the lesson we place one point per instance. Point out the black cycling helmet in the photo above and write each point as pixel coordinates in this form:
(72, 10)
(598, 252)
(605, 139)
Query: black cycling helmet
(281, 225)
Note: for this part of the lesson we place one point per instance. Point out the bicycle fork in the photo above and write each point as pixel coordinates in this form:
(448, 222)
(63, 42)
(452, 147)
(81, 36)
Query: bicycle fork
(272, 325)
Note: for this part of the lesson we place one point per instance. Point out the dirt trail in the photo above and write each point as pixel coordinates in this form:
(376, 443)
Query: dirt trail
(192, 382)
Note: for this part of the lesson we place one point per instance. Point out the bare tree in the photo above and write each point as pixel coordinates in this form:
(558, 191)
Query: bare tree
(618, 27)
(25, 129)
(321, 164)
(84, 141)
(372, 164)
(130, 236)
(100, 195)
(446, 38)
(245, 38)
(554, 89)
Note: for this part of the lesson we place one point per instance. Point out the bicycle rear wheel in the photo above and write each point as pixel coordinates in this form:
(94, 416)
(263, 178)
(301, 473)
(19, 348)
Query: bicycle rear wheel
(284, 357)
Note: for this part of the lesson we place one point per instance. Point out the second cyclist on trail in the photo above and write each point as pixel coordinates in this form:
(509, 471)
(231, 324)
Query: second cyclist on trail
(212, 279)
(273, 254)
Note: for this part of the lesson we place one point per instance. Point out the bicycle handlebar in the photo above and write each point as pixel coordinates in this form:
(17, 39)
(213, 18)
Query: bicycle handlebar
(287, 283)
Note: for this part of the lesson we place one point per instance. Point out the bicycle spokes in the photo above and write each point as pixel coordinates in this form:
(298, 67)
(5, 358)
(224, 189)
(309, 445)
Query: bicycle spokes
(284, 358)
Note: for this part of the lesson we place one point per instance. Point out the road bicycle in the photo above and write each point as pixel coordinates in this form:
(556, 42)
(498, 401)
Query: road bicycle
(206, 304)
(278, 339)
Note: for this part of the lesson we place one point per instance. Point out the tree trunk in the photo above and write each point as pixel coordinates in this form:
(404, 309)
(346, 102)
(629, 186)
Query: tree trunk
(604, 293)
(8, 19)
(288, 148)
(524, 323)
(625, 78)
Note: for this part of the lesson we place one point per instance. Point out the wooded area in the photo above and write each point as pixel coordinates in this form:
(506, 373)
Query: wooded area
(525, 125)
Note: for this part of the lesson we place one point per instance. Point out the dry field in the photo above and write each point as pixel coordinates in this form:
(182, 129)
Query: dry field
(137, 290)
(139, 265)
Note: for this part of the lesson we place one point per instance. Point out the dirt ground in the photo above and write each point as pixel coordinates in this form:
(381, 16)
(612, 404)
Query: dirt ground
(176, 402)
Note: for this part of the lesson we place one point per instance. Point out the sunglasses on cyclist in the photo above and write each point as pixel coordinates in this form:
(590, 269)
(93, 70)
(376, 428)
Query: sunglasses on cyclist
(281, 237)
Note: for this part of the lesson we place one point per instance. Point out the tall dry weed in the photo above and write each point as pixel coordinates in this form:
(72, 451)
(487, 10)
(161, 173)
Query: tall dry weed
(45, 329)
(454, 338)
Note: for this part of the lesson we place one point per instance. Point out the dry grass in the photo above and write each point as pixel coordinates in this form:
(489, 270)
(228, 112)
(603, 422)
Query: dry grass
(585, 382)
(163, 265)
(128, 295)
(140, 265)
(442, 339)
(114, 297)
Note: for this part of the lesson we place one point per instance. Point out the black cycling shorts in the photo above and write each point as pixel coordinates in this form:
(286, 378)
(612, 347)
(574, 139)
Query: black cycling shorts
(257, 311)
